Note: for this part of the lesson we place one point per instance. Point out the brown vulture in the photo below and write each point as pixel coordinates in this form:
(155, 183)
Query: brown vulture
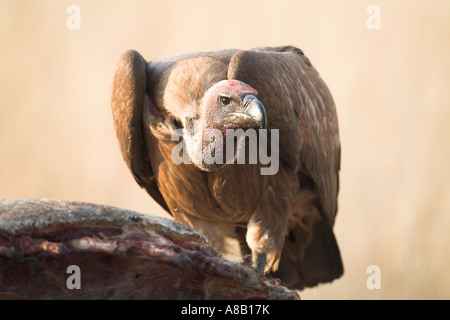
(283, 219)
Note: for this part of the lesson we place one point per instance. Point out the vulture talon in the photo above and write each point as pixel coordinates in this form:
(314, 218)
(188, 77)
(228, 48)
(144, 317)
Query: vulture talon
(261, 262)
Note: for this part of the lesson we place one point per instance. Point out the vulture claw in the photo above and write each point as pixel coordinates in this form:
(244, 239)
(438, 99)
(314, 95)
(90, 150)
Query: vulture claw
(261, 262)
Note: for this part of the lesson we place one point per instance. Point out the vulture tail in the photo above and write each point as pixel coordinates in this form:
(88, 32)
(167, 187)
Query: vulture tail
(319, 262)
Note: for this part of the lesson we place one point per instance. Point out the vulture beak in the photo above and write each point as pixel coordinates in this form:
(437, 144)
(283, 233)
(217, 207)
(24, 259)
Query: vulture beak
(254, 114)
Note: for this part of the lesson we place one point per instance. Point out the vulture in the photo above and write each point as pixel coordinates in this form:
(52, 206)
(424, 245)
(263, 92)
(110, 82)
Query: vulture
(273, 192)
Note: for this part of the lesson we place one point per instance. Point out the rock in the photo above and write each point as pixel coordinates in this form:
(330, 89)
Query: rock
(52, 249)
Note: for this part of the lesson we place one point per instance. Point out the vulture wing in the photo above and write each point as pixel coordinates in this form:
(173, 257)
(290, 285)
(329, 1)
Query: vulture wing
(134, 77)
(127, 102)
(299, 104)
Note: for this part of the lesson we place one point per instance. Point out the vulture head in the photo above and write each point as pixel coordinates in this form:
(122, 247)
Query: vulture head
(227, 105)
(232, 104)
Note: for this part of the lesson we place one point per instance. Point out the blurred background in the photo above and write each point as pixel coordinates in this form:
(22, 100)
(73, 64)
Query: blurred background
(391, 87)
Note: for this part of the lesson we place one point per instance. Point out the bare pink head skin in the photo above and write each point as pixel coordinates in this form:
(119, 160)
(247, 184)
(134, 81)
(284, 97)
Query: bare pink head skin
(228, 104)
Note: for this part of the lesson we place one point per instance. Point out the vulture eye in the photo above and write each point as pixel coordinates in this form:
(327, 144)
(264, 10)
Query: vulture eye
(225, 101)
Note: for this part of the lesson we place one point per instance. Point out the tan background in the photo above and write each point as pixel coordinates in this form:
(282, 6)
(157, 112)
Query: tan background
(391, 88)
